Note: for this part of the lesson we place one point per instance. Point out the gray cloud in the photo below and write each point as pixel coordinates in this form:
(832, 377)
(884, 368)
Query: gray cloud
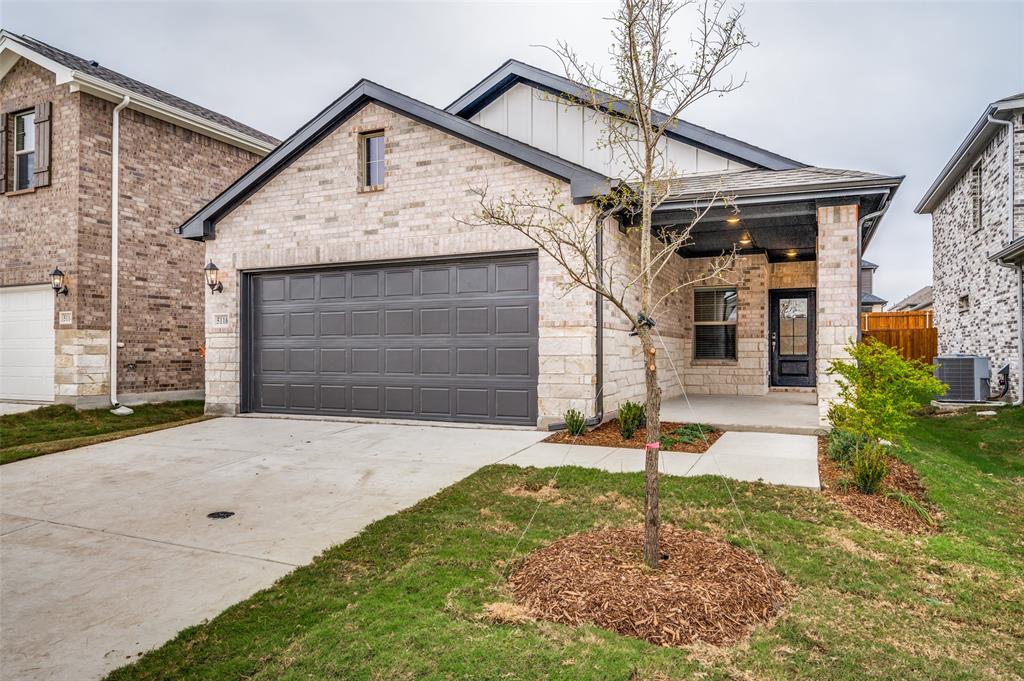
(887, 87)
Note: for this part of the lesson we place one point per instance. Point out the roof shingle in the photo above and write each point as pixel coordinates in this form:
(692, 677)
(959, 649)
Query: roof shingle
(758, 182)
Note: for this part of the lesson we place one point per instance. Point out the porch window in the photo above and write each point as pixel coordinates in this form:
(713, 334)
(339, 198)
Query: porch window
(714, 323)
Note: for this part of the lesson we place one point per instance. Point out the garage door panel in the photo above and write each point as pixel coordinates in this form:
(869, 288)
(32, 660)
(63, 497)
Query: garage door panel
(441, 341)
(27, 343)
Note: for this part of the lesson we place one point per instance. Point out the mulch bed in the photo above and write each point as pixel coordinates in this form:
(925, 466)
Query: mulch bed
(707, 590)
(607, 435)
(877, 510)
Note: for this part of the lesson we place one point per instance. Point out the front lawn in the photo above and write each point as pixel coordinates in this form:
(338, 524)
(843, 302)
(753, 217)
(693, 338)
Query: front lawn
(406, 598)
(59, 427)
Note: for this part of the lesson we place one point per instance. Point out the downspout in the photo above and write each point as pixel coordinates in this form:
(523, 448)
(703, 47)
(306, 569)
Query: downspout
(1020, 267)
(860, 250)
(115, 146)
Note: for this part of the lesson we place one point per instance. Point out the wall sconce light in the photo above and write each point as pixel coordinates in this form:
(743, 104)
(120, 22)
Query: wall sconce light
(212, 273)
(57, 281)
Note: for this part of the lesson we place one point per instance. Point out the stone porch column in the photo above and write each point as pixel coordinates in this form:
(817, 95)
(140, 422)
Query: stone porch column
(838, 307)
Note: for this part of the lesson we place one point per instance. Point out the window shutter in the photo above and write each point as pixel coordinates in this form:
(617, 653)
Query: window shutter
(3, 153)
(42, 171)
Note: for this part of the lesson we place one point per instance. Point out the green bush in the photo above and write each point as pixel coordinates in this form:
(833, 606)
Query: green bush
(575, 422)
(631, 417)
(842, 445)
(869, 468)
(685, 434)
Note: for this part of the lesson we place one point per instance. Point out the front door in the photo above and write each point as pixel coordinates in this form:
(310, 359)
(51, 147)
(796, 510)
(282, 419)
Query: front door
(792, 337)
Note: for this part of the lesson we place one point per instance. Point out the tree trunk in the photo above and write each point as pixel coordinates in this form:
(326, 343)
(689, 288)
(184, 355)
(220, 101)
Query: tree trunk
(652, 516)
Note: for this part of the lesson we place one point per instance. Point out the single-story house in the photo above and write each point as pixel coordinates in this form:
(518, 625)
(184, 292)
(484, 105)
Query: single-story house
(99, 301)
(978, 243)
(347, 284)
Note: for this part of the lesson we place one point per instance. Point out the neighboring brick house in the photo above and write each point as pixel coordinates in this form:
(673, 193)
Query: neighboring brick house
(869, 302)
(56, 138)
(351, 287)
(978, 242)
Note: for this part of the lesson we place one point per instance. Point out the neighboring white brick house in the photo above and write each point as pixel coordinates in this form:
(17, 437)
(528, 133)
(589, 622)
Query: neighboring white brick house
(976, 297)
(351, 287)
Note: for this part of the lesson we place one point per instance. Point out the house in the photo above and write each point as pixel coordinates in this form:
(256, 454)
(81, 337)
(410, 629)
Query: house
(71, 129)
(920, 299)
(350, 287)
(978, 242)
(869, 302)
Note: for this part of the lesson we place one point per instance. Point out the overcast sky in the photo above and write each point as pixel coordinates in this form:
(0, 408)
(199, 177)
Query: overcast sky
(880, 86)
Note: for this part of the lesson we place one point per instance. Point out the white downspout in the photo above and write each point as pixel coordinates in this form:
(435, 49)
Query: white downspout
(115, 190)
(1020, 268)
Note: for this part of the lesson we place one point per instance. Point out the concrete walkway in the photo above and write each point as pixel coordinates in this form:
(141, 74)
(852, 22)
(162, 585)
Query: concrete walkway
(776, 458)
(106, 551)
(777, 412)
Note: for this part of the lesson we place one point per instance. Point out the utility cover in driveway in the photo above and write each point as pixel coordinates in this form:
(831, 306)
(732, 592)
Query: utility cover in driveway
(446, 341)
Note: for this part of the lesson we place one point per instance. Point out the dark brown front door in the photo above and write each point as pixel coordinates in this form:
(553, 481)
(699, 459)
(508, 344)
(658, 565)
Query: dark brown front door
(792, 337)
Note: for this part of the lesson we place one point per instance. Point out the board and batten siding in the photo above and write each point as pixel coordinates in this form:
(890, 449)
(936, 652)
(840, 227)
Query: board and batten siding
(574, 133)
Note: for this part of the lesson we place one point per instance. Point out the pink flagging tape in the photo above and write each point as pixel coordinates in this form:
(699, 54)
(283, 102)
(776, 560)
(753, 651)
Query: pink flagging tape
(652, 445)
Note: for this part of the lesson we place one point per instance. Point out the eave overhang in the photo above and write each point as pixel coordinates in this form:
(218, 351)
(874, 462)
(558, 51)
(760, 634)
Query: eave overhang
(975, 142)
(1010, 256)
(584, 183)
(11, 51)
(512, 72)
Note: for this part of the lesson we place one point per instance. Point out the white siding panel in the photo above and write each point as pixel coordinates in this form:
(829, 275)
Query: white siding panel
(545, 122)
(570, 133)
(494, 116)
(709, 163)
(596, 154)
(682, 157)
(520, 113)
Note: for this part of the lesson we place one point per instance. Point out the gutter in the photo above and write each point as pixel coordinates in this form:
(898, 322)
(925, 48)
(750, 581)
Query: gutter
(876, 216)
(115, 191)
(1020, 265)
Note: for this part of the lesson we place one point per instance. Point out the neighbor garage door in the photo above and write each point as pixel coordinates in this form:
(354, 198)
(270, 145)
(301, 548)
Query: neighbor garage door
(445, 341)
(26, 343)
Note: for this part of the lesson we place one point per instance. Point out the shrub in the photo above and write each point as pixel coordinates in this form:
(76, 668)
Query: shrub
(575, 422)
(869, 468)
(685, 434)
(842, 445)
(631, 417)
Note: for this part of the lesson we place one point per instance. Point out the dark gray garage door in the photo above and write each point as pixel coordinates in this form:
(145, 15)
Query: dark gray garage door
(447, 341)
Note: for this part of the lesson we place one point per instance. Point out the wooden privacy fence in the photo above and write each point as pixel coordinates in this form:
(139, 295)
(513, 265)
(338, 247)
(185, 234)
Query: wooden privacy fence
(913, 333)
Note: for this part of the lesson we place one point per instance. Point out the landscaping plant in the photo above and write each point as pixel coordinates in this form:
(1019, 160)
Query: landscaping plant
(575, 422)
(684, 434)
(878, 392)
(842, 444)
(631, 417)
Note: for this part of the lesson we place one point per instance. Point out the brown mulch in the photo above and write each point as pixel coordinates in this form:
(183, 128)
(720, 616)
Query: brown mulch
(607, 435)
(707, 590)
(877, 510)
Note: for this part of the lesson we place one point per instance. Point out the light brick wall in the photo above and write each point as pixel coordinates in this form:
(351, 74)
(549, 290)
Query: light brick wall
(167, 173)
(312, 213)
(960, 264)
(838, 267)
(801, 274)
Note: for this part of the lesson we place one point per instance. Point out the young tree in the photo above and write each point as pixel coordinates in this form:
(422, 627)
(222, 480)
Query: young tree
(648, 90)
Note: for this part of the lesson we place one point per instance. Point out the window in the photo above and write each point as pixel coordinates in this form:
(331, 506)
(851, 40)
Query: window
(965, 304)
(24, 149)
(714, 324)
(372, 155)
(976, 203)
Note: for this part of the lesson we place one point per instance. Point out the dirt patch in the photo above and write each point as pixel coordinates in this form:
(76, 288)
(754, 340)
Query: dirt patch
(877, 510)
(607, 435)
(706, 590)
(507, 613)
(547, 492)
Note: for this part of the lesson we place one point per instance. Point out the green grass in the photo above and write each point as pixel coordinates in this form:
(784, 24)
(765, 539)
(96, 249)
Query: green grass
(57, 428)
(403, 600)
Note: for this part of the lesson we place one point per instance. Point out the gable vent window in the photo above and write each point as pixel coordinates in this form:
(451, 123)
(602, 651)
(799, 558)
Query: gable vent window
(24, 150)
(976, 202)
(714, 324)
(371, 151)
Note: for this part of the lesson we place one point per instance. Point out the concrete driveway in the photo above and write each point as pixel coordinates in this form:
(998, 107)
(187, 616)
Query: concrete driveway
(107, 551)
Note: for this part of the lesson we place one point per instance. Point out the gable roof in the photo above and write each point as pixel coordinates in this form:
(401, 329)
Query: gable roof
(109, 84)
(976, 141)
(513, 71)
(871, 299)
(752, 183)
(867, 265)
(923, 297)
(584, 183)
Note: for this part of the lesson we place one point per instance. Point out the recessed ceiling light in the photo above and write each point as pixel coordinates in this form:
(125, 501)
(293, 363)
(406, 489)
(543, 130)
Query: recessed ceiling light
(791, 253)
(734, 220)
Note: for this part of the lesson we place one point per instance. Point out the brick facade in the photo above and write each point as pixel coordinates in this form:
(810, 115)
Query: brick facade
(986, 322)
(166, 174)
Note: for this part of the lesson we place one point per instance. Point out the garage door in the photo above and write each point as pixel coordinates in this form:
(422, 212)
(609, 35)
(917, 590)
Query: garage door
(444, 341)
(26, 343)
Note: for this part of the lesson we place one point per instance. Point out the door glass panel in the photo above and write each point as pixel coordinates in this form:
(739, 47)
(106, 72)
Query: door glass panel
(793, 326)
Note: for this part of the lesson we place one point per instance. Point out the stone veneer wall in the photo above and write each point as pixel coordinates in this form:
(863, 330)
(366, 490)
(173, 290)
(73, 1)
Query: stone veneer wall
(313, 212)
(838, 267)
(167, 174)
(960, 264)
